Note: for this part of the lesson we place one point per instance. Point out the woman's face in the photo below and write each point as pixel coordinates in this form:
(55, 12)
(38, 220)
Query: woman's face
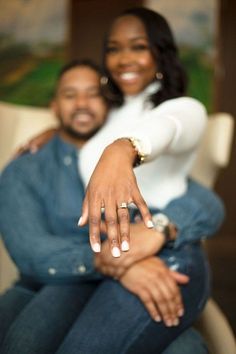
(129, 59)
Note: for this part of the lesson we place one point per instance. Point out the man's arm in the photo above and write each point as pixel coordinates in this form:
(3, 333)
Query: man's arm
(198, 214)
(36, 251)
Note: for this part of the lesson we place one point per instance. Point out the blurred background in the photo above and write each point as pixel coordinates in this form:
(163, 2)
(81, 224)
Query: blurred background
(36, 38)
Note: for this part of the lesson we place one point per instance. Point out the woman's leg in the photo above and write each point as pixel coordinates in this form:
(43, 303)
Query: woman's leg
(115, 321)
(43, 323)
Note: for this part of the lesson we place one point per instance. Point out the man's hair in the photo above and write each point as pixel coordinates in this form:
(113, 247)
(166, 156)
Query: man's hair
(78, 63)
(164, 51)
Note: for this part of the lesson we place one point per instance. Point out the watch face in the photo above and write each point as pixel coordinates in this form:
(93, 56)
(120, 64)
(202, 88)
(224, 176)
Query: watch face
(160, 220)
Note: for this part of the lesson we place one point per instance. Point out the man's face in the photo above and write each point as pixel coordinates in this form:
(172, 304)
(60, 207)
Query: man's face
(79, 104)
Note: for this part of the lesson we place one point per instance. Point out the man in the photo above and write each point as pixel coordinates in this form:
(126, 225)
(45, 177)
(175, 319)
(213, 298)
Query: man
(40, 200)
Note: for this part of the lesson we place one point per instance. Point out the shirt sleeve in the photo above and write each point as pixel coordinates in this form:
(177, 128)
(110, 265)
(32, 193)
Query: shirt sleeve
(36, 251)
(198, 214)
(173, 127)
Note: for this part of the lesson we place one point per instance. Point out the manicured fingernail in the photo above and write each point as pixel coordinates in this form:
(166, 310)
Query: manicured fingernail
(115, 252)
(157, 319)
(168, 323)
(125, 246)
(175, 322)
(180, 312)
(150, 224)
(80, 221)
(96, 247)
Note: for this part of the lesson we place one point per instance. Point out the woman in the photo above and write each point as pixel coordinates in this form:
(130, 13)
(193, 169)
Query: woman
(143, 70)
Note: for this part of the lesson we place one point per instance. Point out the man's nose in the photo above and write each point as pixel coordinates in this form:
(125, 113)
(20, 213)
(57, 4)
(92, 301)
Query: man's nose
(81, 101)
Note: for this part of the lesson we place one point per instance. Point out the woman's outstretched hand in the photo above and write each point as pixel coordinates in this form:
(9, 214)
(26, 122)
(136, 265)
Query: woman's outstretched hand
(112, 188)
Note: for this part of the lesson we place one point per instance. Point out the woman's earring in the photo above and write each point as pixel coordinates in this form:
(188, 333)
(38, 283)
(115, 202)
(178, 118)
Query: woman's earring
(104, 80)
(159, 76)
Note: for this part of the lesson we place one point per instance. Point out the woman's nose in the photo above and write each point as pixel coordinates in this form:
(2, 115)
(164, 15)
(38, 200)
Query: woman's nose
(126, 57)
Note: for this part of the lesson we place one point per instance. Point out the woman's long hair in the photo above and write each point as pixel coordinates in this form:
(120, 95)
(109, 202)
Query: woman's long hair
(165, 53)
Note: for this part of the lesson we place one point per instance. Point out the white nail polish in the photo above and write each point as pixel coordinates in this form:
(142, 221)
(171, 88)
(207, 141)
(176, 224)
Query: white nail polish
(176, 322)
(157, 319)
(115, 252)
(80, 221)
(150, 224)
(168, 323)
(124, 246)
(96, 247)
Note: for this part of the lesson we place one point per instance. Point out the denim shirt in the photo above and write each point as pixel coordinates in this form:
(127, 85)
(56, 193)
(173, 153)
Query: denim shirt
(41, 197)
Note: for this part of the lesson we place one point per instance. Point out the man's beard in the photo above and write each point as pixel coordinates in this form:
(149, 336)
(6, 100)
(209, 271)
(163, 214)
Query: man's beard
(78, 135)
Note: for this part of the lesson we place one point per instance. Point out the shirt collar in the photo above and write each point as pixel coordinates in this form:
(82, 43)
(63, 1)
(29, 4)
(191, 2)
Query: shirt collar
(65, 148)
(149, 90)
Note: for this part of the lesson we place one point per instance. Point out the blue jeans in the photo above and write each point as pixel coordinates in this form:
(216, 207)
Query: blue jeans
(101, 316)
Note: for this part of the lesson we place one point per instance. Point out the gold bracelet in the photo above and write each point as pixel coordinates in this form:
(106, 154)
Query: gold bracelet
(140, 156)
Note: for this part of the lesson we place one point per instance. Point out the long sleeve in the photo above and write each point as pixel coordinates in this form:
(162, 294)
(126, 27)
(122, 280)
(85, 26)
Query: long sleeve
(26, 232)
(174, 127)
(198, 214)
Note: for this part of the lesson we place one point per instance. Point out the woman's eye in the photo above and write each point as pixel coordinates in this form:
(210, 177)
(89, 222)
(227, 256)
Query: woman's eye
(140, 47)
(112, 49)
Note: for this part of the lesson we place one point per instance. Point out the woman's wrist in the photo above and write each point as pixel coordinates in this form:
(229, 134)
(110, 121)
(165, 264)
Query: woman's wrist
(124, 147)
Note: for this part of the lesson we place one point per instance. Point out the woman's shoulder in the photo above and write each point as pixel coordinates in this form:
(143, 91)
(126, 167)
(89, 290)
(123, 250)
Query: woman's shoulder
(183, 102)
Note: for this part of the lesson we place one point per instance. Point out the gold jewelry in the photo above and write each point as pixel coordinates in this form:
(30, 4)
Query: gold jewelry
(141, 156)
(123, 205)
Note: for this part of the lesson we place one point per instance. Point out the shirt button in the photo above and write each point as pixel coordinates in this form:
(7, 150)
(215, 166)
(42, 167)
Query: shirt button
(52, 271)
(67, 160)
(81, 269)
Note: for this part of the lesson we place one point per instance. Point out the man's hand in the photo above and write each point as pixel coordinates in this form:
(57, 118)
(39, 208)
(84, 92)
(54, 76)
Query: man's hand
(35, 143)
(157, 287)
(145, 242)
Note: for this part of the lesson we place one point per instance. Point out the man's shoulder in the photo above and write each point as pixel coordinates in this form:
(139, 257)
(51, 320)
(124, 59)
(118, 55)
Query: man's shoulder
(29, 163)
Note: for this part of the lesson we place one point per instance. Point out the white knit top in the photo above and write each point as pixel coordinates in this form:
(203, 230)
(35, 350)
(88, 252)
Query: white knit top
(170, 134)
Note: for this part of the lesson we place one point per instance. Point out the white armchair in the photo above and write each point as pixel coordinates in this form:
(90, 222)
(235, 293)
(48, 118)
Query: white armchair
(17, 124)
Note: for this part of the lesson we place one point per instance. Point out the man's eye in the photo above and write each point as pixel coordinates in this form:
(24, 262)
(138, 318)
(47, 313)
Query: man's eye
(68, 96)
(95, 94)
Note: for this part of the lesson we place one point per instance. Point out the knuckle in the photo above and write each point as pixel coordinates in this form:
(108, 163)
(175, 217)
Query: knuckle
(169, 297)
(124, 217)
(94, 220)
(111, 221)
(114, 241)
(145, 296)
(124, 235)
(93, 236)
